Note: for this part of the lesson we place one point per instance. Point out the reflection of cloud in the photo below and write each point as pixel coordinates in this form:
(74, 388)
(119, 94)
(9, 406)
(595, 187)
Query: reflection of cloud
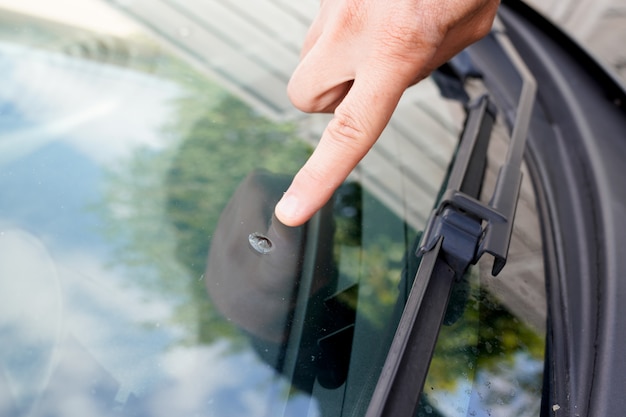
(30, 314)
(212, 380)
(29, 287)
(25, 141)
(511, 389)
(103, 110)
(109, 318)
(106, 359)
(42, 301)
(108, 287)
(79, 386)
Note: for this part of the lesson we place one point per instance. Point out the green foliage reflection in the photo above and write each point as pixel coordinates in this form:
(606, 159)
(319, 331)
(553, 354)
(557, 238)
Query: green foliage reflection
(165, 204)
(487, 343)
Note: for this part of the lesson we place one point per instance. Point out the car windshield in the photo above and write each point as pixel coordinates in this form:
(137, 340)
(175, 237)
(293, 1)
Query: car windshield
(141, 149)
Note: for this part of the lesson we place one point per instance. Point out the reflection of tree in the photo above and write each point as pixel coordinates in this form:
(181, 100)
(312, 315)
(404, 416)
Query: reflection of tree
(165, 204)
(378, 271)
(218, 152)
(486, 344)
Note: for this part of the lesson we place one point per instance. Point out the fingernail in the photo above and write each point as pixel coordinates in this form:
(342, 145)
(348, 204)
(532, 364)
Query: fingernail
(287, 208)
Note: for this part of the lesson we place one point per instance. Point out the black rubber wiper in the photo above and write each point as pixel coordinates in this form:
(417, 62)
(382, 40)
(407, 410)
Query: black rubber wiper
(461, 229)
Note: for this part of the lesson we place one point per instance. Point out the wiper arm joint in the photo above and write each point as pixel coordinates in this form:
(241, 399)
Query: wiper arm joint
(469, 227)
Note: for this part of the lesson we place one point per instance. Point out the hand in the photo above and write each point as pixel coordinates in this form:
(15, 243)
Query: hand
(358, 58)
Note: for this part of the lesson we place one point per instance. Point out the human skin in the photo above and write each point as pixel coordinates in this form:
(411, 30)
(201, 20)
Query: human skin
(357, 59)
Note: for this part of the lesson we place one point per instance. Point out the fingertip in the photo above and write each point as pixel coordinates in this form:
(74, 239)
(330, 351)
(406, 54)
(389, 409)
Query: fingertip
(289, 211)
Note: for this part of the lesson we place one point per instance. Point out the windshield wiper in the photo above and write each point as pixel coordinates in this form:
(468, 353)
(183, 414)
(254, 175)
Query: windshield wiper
(461, 229)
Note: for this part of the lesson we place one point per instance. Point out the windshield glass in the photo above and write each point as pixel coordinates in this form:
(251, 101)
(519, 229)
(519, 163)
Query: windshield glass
(120, 154)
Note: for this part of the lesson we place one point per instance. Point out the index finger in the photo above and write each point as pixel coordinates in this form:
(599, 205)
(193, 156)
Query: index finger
(357, 123)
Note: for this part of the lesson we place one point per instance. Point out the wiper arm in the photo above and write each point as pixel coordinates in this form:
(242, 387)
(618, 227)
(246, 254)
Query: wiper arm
(461, 229)
(450, 239)
(461, 195)
(458, 215)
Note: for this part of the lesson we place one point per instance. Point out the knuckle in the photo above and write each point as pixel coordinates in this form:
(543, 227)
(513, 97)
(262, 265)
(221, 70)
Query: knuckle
(485, 22)
(315, 175)
(351, 17)
(482, 29)
(401, 39)
(347, 131)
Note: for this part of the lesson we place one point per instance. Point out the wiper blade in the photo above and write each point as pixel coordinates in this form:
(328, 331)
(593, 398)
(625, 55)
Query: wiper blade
(460, 230)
